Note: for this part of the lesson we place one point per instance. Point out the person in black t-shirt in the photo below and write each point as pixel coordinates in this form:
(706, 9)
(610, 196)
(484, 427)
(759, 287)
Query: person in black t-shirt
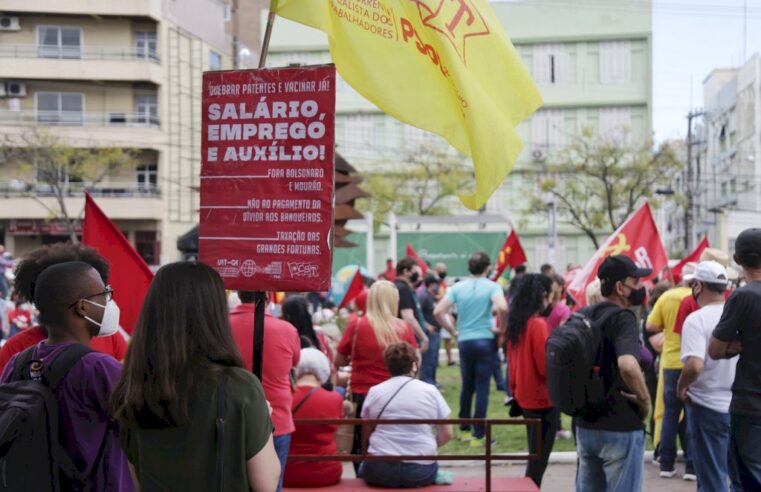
(739, 332)
(407, 275)
(611, 445)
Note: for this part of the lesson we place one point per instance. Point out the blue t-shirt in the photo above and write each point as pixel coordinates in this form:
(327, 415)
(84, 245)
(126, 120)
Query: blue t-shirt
(473, 300)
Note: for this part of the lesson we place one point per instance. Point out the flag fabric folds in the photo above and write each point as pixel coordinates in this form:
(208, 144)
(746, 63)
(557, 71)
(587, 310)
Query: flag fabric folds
(413, 254)
(637, 238)
(510, 255)
(443, 66)
(355, 288)
(676, 271)
(129, 274)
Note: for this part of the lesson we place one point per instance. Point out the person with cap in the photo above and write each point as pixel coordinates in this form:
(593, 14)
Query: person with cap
(611, 442)
(705, 386)
(689, 305)
(668, 406)
(739, 332)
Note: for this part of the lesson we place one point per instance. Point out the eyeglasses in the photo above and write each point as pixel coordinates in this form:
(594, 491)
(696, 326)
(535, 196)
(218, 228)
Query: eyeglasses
(108, 294)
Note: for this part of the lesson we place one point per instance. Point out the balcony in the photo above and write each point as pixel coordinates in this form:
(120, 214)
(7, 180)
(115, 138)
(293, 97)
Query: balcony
(107, 63)
(89, 129)
(124, 8)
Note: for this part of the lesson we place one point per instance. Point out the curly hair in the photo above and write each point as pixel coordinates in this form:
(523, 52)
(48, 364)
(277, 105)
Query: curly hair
(526, 301)
(30, 267)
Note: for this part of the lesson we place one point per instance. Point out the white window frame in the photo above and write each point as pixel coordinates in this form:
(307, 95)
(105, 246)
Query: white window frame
(219, 58)
(60, 118)
(552, 64)
(548, 129)
(144, 172)
(146, 38)
(615, 122)
(143, 113)
(615, 62)
(45, 51)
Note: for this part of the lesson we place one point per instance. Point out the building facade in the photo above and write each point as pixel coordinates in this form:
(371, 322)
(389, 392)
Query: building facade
(110, 74)
(592, 62)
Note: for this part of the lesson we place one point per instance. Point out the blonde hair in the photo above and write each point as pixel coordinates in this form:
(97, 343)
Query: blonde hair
(382, 306)
(594, 293)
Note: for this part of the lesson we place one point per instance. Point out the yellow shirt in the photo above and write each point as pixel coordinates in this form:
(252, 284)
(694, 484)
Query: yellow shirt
(664, 315)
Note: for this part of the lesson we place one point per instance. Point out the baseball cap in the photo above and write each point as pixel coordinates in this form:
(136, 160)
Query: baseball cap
(748, 243)
(711, 272)
(688, 271)
(620, 267)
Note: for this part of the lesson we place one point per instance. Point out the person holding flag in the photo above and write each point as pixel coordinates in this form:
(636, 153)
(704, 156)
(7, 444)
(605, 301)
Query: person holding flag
(510, 255)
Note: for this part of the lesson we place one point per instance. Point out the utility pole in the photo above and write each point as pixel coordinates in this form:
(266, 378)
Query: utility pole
(689, 217)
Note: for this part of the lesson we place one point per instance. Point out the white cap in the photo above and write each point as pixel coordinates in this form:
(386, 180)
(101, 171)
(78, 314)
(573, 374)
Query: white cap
(711, 272)
(688, 271)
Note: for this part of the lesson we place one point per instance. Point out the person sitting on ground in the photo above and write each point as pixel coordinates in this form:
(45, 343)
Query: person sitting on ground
(311, 401)
(75, 305)
(404, 397)
(183, 366)
(27, 272)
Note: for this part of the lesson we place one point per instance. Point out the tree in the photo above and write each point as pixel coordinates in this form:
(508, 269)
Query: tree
(597, 182)
(424, 182)
(42, 161)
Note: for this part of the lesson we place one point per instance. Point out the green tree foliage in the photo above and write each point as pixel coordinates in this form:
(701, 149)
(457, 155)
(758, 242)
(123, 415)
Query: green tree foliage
(43, 161)
(597, 182)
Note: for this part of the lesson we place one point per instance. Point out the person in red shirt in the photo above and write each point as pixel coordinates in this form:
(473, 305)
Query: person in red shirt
(27, 272)
(282, 350)
(527, 335)
(20, 317)
(364, 341)
(311, 401)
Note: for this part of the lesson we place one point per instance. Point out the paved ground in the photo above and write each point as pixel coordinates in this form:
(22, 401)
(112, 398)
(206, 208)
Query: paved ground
(561, 477)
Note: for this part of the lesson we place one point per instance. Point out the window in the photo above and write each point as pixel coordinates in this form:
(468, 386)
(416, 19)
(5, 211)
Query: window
(215, 60)
(60, 108)
(145, 46)
(359, 135)
(615, 62)
(227, 13)
(547, 129)
(146, 110)
(147, 246)
(59, 42)
(615, 123)
(552, 64)
(147, 177)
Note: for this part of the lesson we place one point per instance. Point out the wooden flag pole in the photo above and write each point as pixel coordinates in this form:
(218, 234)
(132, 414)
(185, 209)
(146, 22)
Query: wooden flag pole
(267, 35)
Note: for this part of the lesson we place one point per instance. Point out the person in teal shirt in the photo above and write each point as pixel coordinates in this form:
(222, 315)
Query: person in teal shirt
(476, 299)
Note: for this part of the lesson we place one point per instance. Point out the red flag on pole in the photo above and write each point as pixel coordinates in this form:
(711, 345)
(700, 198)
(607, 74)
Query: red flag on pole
(510, 255)
(676, 271)
(355, 288)
(129, 276)
(413, 254)
(637, 238)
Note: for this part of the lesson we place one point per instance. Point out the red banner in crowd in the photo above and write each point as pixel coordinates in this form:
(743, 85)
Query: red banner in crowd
(637, 238)
(267, 180)
(510, 255)
(129, 276)
(676, 272)
(413, 254)
(355, 288)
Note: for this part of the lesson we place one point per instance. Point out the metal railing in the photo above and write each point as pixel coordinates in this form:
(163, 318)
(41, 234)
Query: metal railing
(78, 118)
(79, 53)
(21, 188)
(488, 457)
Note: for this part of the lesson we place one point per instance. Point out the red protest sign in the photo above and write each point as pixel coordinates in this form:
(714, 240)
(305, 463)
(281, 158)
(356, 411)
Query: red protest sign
(267, 180)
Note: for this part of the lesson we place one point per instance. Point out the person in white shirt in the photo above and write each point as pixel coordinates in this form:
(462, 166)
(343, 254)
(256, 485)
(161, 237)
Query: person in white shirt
(404, 397)
(705, 385)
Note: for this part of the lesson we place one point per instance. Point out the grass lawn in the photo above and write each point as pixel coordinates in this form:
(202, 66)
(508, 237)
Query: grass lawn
(510, 438)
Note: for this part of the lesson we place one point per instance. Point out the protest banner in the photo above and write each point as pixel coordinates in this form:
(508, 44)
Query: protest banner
(267, 178)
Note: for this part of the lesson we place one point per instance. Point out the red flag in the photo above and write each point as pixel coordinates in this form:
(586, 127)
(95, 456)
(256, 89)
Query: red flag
(413, 254)
(129, 276)
(510, 255)
(355, 288)
(637, 238)
(676, 272)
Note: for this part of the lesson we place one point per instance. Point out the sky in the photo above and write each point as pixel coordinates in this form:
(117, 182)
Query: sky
(690, 39)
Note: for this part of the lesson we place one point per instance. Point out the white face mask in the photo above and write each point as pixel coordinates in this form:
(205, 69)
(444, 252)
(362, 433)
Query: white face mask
(110, 322)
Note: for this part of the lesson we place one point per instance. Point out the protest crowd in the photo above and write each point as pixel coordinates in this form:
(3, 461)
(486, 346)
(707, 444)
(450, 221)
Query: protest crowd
(177, 408)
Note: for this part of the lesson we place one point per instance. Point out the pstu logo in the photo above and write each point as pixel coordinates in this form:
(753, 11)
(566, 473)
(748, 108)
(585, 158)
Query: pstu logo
(456, 20)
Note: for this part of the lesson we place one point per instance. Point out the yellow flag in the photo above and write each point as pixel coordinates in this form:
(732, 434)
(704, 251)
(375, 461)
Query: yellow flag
(445, 66)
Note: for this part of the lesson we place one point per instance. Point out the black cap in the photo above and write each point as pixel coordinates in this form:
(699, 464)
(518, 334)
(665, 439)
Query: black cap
(620, 267)
(748, 244)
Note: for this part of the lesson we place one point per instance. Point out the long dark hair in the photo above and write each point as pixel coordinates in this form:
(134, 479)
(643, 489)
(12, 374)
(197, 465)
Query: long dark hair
(182, 336)
(526, 301)
(296, 312)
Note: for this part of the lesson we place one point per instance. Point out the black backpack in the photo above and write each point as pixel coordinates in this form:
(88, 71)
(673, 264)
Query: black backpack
(573, 356)
(31, 456)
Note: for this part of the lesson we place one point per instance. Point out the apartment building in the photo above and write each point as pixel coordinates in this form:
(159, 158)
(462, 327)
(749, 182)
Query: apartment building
(592, 62)
(109, 74)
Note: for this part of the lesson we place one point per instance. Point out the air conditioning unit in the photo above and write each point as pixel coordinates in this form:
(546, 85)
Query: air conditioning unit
(9, 23)
(15, 89)
(539, 155)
